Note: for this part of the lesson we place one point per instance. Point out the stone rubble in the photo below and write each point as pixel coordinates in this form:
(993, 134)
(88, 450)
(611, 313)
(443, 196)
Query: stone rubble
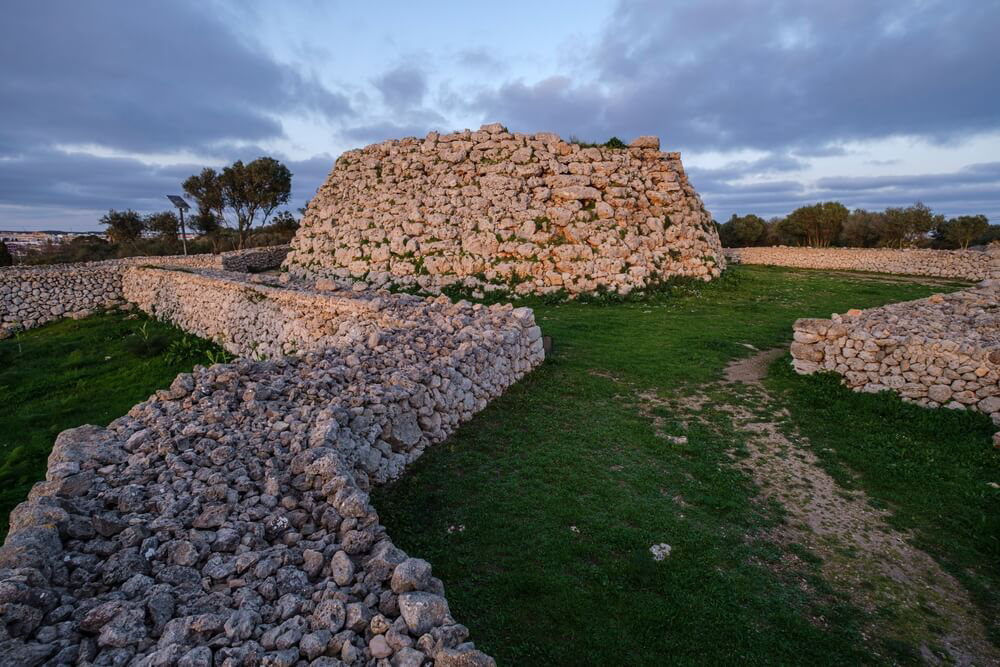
(30, 296)
(972, 265)
(496, 210)
(942, 351)
(226, 520)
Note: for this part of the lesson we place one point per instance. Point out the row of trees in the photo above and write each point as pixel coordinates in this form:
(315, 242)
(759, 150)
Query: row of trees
(151, 242)
(236, 209)
(134, 232)
(830, 223)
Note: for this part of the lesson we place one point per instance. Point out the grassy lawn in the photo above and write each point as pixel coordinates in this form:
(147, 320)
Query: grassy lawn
(539, 513)
(71, 373)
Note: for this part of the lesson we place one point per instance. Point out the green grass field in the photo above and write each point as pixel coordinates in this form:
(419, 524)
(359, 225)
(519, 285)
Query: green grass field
(540, 512)
(562, 485)
(76, 372)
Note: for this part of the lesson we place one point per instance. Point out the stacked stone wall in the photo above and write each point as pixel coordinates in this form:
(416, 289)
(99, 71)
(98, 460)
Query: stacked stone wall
(226, 520)
(498, 210)
(942, 351)
(971, 265)
(32, 296)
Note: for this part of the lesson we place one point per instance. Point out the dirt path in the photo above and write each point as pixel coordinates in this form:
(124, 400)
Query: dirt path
(908, 596)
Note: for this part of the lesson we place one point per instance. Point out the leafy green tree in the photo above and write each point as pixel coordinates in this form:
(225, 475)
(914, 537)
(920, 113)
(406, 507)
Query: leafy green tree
(260, 187)
(819, 224)
(164, 224)
(205, 223)
(285, 222)
(908, 227)
(959, 232)
(6, 259)
(248, 193)
(206, 189)
(742, 231)
(991, 234)
(862, 229)
(124, 227)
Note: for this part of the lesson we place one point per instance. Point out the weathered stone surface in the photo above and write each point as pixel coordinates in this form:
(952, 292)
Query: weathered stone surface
(937, 351)
(32, 296)
(422, 611)
(494, 210)
(226, 520)
(971, 265)
(462, 658)
(413, 574)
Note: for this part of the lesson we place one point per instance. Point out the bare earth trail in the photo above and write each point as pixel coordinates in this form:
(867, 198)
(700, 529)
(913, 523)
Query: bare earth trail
(907, 595)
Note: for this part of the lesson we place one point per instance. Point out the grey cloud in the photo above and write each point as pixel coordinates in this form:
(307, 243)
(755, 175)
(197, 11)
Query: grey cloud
(978, 173)
(414, 123)
(402, 87)
(552, 104)
(53, 181)
(141, 77)
(829, 150)
(769, 164)
(774, 73)
(57, 179)
(479, 59)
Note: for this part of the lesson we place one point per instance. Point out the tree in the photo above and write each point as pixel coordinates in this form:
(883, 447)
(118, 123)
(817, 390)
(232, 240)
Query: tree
(862, 229)
(908, 226)
(123, 226)
(959, 232)
(206, 189)
(738, 232)
(164, 224)
(206, 224)
(285, 222)
(819, 224)
(245, 191)
(6, 259)
(992, 234)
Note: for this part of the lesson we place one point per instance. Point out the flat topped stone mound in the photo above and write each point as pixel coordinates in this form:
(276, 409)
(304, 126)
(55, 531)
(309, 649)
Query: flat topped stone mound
(499, 210)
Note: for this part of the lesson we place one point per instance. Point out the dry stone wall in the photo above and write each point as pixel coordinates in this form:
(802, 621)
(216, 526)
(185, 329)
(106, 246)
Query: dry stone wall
(32, 296)
(498, 210)
(942, 351)
(971, 265)
(226, 520)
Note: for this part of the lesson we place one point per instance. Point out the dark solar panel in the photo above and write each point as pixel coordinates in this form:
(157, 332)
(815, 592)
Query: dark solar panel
(179, 202)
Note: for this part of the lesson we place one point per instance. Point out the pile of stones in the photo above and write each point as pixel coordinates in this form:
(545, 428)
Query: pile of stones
(940, 351)
(226, 520)
(972, 265)
(269, 316)
(495, 210)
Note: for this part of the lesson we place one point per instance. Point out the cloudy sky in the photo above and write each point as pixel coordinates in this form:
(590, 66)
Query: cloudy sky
(774, 103)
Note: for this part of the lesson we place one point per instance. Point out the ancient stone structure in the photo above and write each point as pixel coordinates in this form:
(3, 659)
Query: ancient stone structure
(32, 296)
(496, 210)
(940, 351)
(971, 265)
(226, 520)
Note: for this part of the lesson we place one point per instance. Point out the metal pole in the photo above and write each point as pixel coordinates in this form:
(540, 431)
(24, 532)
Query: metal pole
(183, 232)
